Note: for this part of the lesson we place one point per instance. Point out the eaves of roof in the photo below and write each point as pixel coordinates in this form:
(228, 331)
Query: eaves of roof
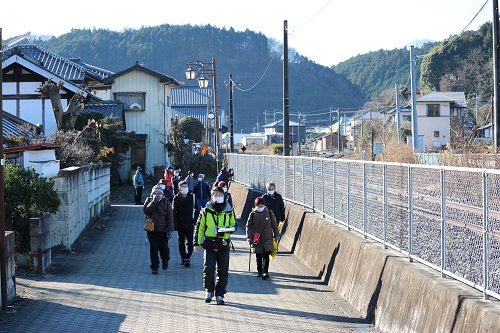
(17, 127)
(137, 67)
(38, 146)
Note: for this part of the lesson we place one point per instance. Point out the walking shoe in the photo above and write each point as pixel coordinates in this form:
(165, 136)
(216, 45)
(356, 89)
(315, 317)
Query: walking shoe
(265, 276)
(183, 261)
(208, 297)
(187, 263)
(164, 265)
(220, 300)
(259, 274)
(154, 271)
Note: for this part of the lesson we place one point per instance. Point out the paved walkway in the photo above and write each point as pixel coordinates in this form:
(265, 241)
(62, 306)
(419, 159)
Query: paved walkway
(105, 285)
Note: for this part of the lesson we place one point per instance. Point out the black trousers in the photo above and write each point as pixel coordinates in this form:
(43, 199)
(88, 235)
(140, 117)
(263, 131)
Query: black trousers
(216, 260)
(138, 194)
(263, 262)
(158, 242)
(185, 238)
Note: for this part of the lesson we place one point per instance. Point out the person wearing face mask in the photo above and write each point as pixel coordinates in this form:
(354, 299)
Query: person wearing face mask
(186, 213)
(138, 182)
(212, 231)
(274, 202)
(159, 209)
(261, 220)
(175, 181)
(168, 176)
(163, 185)
(227, 195)
(202, 191)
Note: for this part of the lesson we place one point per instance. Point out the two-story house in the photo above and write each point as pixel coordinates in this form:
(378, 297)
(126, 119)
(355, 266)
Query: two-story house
(441, 117)
(146, 96)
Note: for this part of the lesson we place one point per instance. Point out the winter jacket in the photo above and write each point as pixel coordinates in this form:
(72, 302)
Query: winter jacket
(276, 205)
(264, 223)
(138, 179)
(228, 198)
(202, 190)
(161, 213)
(186, 211)
(168, 177)
(190, 183)
(209, 219)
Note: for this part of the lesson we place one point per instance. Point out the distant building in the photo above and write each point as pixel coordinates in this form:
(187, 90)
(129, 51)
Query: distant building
(274, 132)
(329, 141)
(41, 157)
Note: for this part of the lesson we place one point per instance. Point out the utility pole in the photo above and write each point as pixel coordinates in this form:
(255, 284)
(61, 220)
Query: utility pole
(496, 61)
(3, 241)
(398, 120)
(414, 117)
(286, 102)
(231, 124)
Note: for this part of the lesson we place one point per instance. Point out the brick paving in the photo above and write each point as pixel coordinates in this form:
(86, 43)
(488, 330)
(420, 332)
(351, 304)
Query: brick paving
(105, 285)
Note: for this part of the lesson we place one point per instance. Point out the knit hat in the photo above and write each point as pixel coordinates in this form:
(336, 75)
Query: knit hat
(156, 189)
(222, 184)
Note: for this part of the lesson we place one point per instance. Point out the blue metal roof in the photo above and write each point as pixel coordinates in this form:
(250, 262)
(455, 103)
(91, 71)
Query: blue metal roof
(107, 108)
(191, 95)
(17, 127)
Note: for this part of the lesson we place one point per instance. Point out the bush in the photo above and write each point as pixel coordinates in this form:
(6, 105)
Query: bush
(202, 164)
(27, 195)
(276, 148)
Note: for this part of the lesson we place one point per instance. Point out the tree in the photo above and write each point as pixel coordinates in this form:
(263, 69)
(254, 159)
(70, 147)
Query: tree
(65, 119)
(27, 195)
(192, 128)
(176, 142)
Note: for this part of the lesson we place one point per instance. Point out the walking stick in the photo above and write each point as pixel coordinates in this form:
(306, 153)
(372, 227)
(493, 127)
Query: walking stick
(249, 257)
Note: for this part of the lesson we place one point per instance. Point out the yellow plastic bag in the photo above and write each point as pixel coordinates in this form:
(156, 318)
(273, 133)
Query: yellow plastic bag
(275, 249)
(280, 225)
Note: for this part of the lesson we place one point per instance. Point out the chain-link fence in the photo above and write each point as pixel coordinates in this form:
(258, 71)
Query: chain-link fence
(447, 218)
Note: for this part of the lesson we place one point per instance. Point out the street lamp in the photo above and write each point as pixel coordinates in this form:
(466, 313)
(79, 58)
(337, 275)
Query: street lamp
(207, 68)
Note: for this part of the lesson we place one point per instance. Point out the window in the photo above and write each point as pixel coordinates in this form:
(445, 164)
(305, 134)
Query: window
(131, 101)
(432, 110)
(436, 134)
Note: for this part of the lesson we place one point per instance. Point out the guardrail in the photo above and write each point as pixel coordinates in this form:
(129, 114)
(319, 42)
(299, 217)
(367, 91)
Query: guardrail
(445, 217)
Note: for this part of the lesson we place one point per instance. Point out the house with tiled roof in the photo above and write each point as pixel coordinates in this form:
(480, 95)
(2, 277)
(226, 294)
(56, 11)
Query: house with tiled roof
(26, 67)
(441, 118)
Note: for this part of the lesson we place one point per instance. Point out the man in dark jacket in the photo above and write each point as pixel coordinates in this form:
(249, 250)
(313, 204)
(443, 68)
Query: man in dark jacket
(186, 213)
(274, 202)
(202, 191)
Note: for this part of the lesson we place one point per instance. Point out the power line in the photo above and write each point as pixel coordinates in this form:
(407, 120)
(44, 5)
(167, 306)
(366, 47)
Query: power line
(303, 24)
(258, 81)
(455, 37)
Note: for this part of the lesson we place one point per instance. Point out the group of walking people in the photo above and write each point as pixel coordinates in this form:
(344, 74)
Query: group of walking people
(204, 216)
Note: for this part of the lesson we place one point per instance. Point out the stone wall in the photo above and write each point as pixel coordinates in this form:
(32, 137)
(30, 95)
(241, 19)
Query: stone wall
(395, 294)
(85, 194)
(40, 243)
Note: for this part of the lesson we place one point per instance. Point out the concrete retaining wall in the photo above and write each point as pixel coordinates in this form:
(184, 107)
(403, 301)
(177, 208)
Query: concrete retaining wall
(398, 296)
(85, 194)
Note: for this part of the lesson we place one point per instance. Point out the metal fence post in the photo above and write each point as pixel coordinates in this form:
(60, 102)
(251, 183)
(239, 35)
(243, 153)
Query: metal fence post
(410, 217)
(485, 235)
(348, 196)
(303, 184)
(443, 217)
(322, 187)
(313, 191)
(385, 204)
(294, 182)
(365, 220)
(333, 190)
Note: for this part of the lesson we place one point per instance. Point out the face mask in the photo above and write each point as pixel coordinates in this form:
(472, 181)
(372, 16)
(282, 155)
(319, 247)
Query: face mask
(162, 186)
(200, 179)
(219, 199)
(184, 190)
(260, 209)
(176, 174)
(271, 192)
(224, 189)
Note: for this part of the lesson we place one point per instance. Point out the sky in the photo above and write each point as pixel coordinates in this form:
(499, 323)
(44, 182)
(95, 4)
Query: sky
(325, 31)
